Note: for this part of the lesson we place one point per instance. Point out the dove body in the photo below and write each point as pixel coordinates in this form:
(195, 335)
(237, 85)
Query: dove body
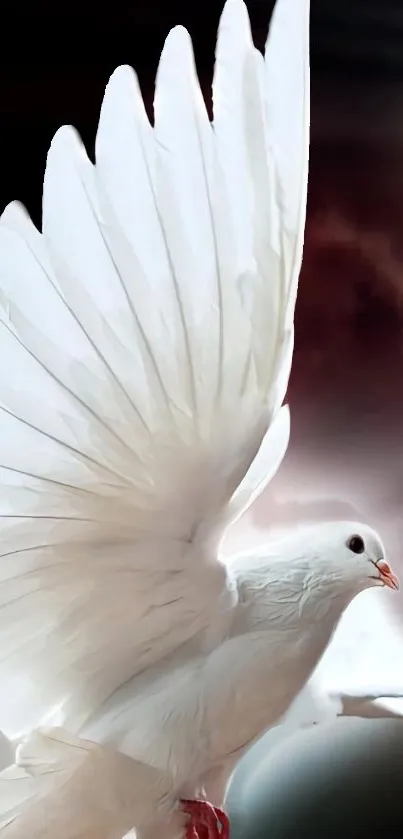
(228, 686)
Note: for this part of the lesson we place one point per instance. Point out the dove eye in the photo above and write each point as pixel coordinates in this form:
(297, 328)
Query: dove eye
(356, 544)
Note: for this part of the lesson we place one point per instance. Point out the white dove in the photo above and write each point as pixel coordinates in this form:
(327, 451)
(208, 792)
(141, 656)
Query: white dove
(146, 339)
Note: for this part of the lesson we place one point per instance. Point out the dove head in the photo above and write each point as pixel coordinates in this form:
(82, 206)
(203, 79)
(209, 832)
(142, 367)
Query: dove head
(352, 555)
(320, 567)
(304, 581)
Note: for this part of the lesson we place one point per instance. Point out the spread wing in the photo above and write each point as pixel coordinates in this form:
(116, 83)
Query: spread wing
(146, 341)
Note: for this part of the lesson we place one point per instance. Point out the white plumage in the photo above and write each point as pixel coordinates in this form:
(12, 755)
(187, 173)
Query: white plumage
(146, 337)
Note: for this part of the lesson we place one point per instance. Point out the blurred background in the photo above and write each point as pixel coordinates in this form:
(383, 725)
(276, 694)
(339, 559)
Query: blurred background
(346, 391)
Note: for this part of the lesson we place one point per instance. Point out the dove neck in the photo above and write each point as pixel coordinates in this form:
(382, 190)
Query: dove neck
(290, 595)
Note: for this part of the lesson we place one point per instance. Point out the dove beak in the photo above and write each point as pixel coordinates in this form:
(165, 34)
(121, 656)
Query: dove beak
(386, 576)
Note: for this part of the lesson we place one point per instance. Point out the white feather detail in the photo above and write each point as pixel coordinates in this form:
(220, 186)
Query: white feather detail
(148, 337)
(264, 466)
(71, 787)
(288, 116)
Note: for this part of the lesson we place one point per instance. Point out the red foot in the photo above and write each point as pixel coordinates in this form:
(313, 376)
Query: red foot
(206, 821)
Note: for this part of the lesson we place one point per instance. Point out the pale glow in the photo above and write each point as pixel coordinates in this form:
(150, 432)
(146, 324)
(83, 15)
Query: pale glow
(366, 653)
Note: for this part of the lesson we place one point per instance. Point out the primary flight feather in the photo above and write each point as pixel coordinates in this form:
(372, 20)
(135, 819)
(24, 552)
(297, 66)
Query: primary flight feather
(146, 336)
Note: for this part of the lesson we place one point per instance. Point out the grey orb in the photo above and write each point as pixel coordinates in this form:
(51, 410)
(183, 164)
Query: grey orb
(341, 779)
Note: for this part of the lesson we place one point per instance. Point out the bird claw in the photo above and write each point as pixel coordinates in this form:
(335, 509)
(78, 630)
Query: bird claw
(206, 821)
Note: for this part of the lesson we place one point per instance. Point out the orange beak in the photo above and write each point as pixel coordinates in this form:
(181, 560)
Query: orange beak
(386, 576)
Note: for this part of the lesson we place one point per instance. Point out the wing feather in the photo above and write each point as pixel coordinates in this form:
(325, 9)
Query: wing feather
(148, 337)
(288, 126)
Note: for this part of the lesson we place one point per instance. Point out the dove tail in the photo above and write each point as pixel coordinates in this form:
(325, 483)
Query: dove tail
(63, 786)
